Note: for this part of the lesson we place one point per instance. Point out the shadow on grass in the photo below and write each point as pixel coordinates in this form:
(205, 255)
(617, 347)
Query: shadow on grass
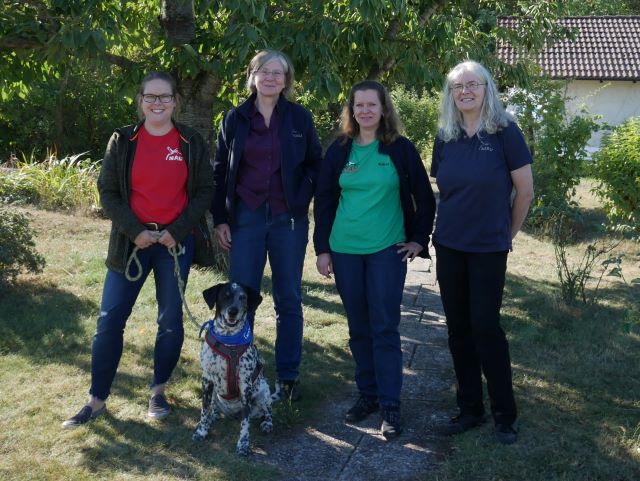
(49, 325)
(166, 449)
(152, 448)
(577, 378)
(44, 323)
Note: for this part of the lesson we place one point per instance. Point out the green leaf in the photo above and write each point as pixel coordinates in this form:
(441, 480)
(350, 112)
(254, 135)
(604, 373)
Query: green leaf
(189, 50)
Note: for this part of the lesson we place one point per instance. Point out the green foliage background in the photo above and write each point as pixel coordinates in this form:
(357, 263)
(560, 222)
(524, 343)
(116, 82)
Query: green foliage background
(617, 168)
(17, 247)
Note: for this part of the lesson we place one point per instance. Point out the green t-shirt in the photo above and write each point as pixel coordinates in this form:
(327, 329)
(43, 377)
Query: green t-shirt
(369, 216)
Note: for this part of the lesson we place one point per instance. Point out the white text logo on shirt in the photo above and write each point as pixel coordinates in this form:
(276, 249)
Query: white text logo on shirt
(485, 146)
(174, 154)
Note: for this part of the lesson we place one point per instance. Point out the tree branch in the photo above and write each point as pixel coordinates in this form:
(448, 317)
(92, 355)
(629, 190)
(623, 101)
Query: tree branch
(8, 43)
(392, 34)
(428, 12)
(120, 61)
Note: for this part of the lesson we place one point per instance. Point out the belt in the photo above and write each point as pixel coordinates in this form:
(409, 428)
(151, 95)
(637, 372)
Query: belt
(155, 226)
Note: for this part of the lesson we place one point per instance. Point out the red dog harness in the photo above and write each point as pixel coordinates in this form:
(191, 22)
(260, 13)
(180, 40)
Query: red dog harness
(232, 354)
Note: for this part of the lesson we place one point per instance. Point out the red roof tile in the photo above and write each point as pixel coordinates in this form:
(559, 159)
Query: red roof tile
(604, 48)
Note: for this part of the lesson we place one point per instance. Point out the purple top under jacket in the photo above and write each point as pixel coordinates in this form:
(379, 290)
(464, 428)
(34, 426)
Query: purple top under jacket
(259, 176)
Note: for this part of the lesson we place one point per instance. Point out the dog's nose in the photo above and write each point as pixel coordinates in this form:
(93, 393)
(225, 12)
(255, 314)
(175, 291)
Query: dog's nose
(233, 311)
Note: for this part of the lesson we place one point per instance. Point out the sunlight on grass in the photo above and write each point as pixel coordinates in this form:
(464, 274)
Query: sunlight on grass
(576, 375)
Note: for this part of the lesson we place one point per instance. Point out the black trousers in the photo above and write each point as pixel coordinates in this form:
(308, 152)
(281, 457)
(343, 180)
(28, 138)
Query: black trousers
(471, 286)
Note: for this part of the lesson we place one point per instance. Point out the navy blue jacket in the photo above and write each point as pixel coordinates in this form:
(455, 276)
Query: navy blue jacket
(300, 150)
(416, 196)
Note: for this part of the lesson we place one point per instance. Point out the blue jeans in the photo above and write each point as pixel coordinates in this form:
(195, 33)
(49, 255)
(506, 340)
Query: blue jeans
(371, 288)
(118, 297)
(256, 234)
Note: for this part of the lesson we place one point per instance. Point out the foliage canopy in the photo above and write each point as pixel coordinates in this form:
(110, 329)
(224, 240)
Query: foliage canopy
(207, 44)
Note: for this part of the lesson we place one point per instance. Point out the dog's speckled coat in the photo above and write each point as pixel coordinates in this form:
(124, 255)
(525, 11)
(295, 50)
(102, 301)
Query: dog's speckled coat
(232, 302)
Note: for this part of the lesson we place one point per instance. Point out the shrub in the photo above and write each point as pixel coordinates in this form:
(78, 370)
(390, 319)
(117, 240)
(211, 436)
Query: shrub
(17, 248)
(72, 111)
(419, 114)
(617, 170)
(577, 279)
(557, 142)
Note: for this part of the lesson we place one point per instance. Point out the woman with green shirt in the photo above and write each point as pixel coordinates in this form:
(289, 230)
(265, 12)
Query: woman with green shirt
(373, 210)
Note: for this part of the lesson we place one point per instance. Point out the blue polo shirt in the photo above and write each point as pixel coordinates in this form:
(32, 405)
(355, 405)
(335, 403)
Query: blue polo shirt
(473, 175)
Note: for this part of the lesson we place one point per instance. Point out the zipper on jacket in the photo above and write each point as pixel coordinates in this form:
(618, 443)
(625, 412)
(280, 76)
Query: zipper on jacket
(293, 224)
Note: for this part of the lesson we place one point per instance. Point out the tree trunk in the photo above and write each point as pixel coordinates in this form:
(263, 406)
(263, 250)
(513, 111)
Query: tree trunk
(198, 97)
(177, 18)
(60, 107)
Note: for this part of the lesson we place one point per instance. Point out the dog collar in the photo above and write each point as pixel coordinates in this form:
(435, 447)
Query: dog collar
(245, 336)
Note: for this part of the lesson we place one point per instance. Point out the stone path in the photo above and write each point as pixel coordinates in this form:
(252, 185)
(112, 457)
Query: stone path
(335, 451)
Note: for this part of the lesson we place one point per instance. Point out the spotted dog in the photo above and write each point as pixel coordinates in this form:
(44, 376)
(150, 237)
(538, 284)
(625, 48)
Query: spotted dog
(232, 379)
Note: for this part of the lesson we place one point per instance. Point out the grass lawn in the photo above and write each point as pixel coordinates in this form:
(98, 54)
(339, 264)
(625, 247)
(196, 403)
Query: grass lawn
(576, 374)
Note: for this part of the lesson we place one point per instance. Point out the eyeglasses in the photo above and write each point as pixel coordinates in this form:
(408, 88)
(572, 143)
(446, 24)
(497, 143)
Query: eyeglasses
(470, 86)
(273, 73)
(164, 98)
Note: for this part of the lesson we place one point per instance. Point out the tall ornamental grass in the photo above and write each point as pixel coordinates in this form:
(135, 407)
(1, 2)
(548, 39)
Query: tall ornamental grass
(55, 184)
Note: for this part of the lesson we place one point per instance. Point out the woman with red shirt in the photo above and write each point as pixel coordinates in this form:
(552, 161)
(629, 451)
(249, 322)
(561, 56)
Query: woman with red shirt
(155, 184)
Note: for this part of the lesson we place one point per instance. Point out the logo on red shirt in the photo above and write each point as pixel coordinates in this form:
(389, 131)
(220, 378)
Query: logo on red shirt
(174, 154)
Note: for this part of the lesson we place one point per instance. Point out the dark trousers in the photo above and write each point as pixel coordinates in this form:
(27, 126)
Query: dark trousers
(371, 286)
(471, 286)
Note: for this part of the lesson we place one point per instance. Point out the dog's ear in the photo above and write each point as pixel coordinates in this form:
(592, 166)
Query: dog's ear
(211, 295)
(253, 298)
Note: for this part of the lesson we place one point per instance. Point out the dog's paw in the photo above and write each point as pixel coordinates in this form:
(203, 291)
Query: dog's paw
(243, 449)
(198, 435)
(266, 426)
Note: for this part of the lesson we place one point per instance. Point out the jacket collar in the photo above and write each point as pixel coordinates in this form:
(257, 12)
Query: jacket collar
(185, 135)
(246, 107)
(382, 148)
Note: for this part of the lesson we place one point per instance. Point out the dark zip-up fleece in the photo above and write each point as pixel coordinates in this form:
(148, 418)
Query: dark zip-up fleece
(114, 185)
(416, 196)
(301, 155)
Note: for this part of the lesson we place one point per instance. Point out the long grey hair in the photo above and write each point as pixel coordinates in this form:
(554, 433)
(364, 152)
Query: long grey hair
(493, 116)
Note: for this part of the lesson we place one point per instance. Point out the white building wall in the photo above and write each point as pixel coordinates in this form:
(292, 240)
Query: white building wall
(615, 101)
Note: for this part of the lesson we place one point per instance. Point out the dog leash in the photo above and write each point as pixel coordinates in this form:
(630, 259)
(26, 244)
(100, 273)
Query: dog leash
(176, 271)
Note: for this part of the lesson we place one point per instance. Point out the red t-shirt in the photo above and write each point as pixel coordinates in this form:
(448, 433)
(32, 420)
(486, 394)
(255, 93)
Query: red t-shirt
(158, 178)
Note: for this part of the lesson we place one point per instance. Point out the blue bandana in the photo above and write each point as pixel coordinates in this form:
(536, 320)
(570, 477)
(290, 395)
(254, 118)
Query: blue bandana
(245, 336)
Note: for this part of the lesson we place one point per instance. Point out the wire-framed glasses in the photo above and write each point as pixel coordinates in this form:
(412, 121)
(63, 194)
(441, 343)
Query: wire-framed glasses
(470, 86)
(273, 73)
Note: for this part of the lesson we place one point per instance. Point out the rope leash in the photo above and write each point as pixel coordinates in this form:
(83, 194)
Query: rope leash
(176, 270)
(175, 252)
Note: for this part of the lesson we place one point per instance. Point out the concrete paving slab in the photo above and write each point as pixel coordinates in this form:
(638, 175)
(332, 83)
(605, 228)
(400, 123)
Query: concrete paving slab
(336, 451)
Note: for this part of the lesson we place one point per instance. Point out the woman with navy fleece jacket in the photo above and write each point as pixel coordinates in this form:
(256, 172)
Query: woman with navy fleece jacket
(264, 171)
(373, 212)
(479, 159)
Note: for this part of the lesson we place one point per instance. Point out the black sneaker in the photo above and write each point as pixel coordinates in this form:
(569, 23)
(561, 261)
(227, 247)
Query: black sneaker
(286, 391)
(391, 424)
(507, 433)
(364, 406)
(461, 423)
(85, 415)
(158, 407)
